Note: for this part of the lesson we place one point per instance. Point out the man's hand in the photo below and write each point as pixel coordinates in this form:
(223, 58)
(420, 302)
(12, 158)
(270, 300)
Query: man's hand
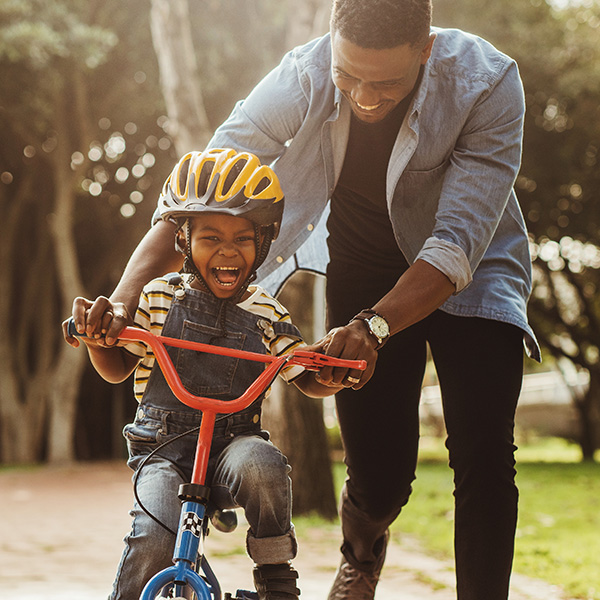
(100, 320)
(351, 342)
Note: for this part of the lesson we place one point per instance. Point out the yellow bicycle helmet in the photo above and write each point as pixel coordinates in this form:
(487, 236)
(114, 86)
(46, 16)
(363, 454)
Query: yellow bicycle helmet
(223, 181)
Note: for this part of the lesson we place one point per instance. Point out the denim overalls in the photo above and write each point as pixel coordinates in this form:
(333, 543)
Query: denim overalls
(245, 469)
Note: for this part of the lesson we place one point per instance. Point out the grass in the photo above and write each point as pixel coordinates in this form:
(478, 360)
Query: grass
(559, 525)
(558, 536)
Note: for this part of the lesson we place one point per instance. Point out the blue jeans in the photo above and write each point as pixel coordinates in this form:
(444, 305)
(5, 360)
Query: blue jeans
(245, 470)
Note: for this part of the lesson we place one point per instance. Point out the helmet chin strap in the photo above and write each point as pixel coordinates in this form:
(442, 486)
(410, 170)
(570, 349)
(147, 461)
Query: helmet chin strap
(189, 266)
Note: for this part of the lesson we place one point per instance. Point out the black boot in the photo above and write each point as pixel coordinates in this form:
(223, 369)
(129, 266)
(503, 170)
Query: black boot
(276, 582)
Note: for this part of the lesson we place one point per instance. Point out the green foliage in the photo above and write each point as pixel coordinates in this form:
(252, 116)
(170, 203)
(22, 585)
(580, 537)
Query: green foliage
(95, 57)
(39, 32)
(80, 109)
(103, 50)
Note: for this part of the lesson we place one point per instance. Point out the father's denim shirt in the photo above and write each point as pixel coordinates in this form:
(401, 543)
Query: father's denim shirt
(450, 176)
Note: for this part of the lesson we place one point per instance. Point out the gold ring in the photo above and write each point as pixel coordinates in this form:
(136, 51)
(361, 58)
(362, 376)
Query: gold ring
(352, 379)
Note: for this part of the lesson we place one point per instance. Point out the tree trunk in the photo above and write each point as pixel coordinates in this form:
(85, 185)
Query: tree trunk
(307, 20)
(588, 408)
(296, 426)
(63, 384)
(23, 404)
(172, 39)
(296, 422)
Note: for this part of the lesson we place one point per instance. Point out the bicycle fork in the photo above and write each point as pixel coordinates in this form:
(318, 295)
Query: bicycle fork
(187, 551)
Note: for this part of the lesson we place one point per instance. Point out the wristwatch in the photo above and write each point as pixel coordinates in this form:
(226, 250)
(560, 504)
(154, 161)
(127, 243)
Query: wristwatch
(377, 326)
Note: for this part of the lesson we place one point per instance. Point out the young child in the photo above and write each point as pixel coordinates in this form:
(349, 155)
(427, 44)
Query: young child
(228, 208)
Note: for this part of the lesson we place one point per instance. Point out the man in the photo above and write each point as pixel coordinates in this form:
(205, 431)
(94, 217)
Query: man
(397, 146)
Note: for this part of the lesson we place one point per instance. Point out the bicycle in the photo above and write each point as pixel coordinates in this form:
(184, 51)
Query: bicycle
(190, 567)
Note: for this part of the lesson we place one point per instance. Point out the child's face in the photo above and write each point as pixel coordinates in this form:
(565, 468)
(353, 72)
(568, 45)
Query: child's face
(224, 252)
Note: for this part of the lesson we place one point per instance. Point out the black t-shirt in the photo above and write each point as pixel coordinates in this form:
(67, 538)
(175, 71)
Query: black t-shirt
(360, 231)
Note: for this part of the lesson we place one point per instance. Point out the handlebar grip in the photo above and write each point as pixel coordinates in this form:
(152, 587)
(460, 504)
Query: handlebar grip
(72, 331)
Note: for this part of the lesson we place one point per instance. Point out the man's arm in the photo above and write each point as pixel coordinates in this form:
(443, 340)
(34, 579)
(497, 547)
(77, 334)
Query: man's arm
(478, 183)
(154, 256)
(420, 290)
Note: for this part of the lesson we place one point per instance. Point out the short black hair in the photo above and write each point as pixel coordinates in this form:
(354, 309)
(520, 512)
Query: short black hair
(382, 24)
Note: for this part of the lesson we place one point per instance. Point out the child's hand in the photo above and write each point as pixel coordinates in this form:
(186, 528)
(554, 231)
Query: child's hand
(101, 321)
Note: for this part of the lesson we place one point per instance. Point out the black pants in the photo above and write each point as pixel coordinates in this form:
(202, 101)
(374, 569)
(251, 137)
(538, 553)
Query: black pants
(479, 365)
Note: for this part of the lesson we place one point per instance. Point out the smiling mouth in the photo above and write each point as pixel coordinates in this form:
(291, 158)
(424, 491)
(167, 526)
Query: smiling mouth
(368, 108)
(226, 276)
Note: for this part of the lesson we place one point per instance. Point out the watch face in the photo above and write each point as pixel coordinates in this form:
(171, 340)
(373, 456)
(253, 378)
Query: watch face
(379, 326)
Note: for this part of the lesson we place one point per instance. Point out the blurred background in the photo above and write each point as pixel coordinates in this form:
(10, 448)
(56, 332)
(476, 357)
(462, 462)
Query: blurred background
(98, 99)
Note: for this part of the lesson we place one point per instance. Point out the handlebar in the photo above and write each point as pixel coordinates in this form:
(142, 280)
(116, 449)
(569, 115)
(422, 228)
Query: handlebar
(312, 361)
(210, 407)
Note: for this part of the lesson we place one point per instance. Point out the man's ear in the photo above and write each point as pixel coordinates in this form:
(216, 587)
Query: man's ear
(426, 52)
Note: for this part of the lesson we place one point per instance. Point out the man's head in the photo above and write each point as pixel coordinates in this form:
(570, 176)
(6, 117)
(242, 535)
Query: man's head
(228, 207)
(378, 48)
(380, 24)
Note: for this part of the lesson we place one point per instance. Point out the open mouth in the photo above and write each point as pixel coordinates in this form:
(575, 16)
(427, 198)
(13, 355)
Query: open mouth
(227, 277)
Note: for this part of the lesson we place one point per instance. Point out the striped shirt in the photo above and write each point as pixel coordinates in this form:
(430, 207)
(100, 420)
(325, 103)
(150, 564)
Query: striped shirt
(155, 302)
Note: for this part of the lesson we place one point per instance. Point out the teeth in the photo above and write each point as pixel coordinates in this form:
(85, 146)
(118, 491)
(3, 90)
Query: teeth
(368, 107)
(225, 269)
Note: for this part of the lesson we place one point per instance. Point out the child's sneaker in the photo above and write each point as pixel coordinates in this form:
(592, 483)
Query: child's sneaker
(276, 582)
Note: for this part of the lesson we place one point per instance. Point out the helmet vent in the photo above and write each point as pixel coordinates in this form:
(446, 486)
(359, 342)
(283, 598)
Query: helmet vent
(183, 176)
(263, 184)
(236, 169)
(204, 178)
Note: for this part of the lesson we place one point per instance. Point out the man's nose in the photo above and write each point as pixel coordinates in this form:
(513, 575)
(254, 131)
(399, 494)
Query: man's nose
(363, 94)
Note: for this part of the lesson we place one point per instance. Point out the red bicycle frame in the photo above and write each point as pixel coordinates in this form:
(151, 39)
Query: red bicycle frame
(210, 407)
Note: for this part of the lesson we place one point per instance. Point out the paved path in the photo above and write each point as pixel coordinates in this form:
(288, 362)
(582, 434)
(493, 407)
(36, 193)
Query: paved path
(61, 531)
